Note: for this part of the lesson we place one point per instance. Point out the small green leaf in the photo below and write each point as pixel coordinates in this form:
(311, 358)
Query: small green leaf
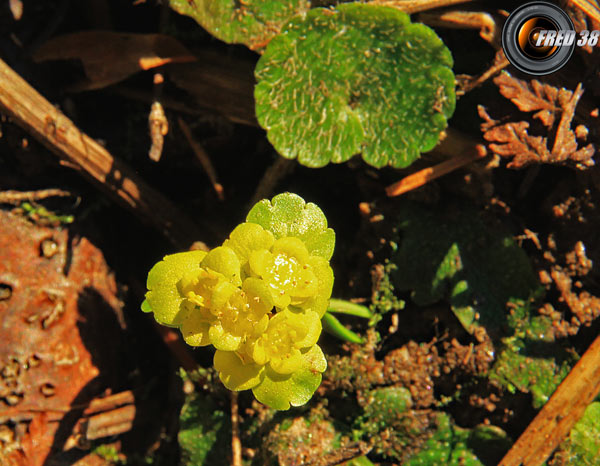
(204, 435)
(282, 391)
(288, 214)
(385, 404)
(251, 22)
(455, 255)
(355, 79)
(163, 297)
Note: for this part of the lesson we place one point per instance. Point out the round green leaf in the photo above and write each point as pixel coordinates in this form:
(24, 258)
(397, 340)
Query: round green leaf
(249, 22)
(280, 391)
(289, 215)
(357, 79)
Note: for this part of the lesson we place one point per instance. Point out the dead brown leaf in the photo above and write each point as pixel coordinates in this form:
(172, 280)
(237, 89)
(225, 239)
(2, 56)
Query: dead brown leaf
(532, 96)
(513, 140)
(109, 57)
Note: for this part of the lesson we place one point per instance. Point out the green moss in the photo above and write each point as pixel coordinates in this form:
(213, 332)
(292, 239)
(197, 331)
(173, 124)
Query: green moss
(384, 293)
(387, 415)
(205, 432)
(528, 359)
(109, 453)
(582, 446)
(447, 446)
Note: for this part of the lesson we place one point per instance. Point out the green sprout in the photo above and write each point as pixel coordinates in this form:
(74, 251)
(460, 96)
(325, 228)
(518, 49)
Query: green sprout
(258, 299)
(334, 327)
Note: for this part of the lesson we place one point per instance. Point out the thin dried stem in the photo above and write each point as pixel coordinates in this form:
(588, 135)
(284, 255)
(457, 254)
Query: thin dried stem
(500, 62)
(16, 197)
(158, 124)
(236, 443)
(463, 152)
(415, 6)
(203, 157)
(273, 175)
(483, 21)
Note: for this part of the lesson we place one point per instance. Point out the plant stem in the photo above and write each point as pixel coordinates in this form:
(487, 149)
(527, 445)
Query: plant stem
(346, 307)
(415, 6)
(236, 444)
(280, 168)
(589, 9)
(472, 153)
(53, 129)
(335, 328)
(203, 158)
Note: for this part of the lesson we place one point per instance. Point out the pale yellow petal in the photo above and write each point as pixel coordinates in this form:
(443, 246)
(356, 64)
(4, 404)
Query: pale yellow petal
(234, 374)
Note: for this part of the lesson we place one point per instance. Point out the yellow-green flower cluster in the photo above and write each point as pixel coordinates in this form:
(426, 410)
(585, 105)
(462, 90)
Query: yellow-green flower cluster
(258, 300)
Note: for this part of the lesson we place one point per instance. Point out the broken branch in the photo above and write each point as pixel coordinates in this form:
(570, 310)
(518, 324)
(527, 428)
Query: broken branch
(560, 413)
(60, 135)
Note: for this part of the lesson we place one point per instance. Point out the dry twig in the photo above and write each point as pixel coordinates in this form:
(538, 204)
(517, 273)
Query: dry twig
(76, 149)
(468, 83)
(16, 197)
(480, 20)
(560, 413)
(415, 6)
(109, 423)
(464, 152)
(589, 9)
(157, 121)
(273, 175)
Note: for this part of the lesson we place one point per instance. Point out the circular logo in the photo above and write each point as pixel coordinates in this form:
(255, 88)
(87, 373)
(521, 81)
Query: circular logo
(534, 36)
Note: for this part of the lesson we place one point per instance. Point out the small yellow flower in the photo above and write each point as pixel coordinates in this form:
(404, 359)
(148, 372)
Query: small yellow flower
(287, 334)
(258, 299)
(295, 277)
(244, 316)
(285, 268)
(222, 314)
